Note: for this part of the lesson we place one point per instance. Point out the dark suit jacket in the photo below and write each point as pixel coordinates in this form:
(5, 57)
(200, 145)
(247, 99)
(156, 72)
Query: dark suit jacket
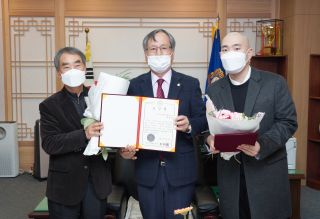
(267, 178)
(181, 165)
(63, 138)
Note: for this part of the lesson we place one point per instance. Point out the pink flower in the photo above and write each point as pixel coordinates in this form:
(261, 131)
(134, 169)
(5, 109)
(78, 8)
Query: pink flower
(226, 114)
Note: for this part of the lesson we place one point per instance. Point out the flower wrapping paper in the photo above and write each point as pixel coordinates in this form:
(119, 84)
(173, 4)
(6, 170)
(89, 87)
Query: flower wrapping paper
(106, 84)
(226, 122)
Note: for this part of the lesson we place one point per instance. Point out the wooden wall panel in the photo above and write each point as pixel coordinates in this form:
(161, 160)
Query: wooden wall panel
(26, 155)
(287, 48)
(286, 9)
(315, 33)
(249, 8)
(310, 7)
(300, 79)
(31, 7)
(301, 38)
(141, 8)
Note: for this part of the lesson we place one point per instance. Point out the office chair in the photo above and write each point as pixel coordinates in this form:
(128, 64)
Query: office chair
(123, 185)
(206, 204)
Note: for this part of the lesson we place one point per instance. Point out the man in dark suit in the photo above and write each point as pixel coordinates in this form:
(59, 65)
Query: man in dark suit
(166, 180)
(254, 184)
(77, 185)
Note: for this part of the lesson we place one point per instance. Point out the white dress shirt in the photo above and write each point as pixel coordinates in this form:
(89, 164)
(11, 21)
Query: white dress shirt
(165, 86)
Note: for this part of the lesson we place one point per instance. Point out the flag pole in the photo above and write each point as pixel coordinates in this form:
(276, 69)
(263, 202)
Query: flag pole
(215, 68)
(89, 70)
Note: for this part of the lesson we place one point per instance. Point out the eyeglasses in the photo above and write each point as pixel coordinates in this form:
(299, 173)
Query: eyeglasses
(163, 50)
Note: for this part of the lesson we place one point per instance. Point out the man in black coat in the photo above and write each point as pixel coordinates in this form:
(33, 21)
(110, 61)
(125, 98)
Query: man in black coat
(77, 185)
(254, 184)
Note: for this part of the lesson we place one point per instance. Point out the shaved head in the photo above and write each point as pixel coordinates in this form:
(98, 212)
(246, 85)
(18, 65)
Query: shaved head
(235, 38)
(233, 44)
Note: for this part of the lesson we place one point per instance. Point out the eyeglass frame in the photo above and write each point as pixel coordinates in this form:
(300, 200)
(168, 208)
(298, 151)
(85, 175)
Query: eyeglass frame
(156, 48)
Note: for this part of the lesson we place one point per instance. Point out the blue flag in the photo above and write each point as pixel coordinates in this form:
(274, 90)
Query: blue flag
(215, 70)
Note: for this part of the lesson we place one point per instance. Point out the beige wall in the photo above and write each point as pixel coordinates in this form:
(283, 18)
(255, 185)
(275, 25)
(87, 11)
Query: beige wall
(301, 38)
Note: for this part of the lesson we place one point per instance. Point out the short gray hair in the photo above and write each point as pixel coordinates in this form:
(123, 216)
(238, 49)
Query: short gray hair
(68, 50)
(152, 35)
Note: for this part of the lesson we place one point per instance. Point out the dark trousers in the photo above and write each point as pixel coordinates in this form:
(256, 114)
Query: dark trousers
(91, 207)
(244, 208)
(160, 201)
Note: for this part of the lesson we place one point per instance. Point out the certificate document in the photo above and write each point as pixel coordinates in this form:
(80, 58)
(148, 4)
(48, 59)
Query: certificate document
(144, 122)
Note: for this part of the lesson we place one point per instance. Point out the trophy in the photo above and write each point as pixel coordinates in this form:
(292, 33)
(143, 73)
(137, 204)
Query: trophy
(268, 32)
(269, 37)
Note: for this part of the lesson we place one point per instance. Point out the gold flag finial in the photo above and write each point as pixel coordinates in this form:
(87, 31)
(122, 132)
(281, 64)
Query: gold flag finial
(88, 46)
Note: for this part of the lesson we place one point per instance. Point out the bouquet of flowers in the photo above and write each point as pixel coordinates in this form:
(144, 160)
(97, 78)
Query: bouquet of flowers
(227, 122)
(106, 84)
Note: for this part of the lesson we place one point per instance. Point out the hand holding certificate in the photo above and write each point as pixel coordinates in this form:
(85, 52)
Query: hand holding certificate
(106, 84)
(147, 123)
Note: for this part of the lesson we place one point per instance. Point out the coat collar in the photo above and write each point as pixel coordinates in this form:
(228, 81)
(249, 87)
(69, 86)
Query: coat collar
(225, 95)
(68, 107)
(253, 91)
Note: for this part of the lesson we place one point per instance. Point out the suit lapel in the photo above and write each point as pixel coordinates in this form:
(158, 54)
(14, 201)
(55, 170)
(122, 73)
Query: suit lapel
(175, 86)
(225, 96)
(146, 86)
(253, 92)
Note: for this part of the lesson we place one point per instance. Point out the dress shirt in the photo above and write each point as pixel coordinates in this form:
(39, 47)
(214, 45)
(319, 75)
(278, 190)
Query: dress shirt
(165, 85)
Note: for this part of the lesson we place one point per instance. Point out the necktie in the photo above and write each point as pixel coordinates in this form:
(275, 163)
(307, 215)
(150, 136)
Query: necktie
(160, 93)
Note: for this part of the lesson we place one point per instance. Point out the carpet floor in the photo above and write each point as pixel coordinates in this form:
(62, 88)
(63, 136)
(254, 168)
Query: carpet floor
(20, 195)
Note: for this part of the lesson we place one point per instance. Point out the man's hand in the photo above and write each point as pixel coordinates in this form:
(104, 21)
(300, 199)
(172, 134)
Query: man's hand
(128, 152)
(250, 150)
(210, 142)
(182, 123)
(93, 130)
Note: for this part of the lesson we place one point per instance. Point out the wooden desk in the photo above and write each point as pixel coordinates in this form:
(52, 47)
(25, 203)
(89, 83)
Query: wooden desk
(295, 177)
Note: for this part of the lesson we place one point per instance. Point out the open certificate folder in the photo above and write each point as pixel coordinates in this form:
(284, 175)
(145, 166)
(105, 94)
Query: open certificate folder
(147, 123)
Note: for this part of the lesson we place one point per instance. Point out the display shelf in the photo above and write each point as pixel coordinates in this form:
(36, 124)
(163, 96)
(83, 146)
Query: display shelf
(314, 80)
(275, 64)
(314, 140)
(313, 143)
(314, 98)
(314, 119)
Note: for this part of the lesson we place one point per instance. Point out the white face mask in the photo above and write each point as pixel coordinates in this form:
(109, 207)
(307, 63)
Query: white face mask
(73, 77)
(233, 62)
(159, 64)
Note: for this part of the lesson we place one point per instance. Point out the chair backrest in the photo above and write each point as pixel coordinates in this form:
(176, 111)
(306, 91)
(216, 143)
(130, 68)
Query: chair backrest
(207, 164)
(123, 174)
